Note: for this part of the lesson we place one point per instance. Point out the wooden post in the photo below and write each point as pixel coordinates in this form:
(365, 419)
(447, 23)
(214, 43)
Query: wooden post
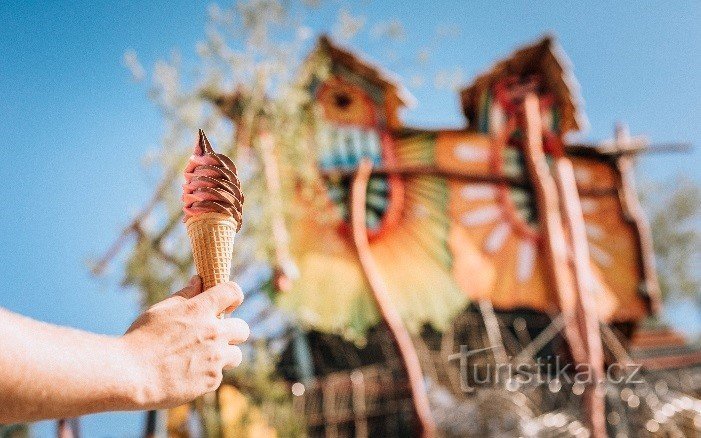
(553, 240)
(68, 428)
(391, 317)
(151, 424)
(491, 324)
(633, 212)
(571, 276)
(586, 313)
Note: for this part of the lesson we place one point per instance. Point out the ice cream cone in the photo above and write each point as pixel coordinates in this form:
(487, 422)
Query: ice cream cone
(212, 240)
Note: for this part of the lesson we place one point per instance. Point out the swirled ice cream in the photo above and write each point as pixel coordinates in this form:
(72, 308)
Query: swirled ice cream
(211, 184)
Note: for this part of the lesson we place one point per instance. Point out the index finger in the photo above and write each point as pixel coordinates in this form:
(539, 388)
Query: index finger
(221, 297)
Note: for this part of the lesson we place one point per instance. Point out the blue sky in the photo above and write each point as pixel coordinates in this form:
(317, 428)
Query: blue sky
(75, 126)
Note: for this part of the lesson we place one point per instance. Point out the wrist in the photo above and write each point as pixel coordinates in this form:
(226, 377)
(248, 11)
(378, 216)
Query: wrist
(137, 390)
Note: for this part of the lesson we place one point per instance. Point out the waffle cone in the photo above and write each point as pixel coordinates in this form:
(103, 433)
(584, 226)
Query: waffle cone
(212, 240)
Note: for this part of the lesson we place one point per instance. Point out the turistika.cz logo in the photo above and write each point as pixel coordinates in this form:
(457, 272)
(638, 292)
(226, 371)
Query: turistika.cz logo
(551, 370)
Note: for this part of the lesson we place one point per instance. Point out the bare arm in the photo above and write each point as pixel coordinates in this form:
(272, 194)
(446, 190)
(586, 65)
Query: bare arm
(172, 353)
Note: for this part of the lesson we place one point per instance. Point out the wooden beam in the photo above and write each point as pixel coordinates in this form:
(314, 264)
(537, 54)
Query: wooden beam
(572, 276)
(391, 317)
(67, 428)
(604, 152)
(429, 170)
(491, 324)
(151, 424)
(586, 311)
(635, 215)
(477, 178)
(553, 235)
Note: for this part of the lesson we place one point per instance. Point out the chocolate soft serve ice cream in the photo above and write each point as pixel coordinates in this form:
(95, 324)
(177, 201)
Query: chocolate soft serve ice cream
(213, 204)
(211, 184)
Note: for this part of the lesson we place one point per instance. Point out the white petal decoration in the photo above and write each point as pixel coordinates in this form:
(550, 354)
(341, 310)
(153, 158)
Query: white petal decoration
(471, 153)
(478, 192)
(525, 260)
(600, 256)
(595, 231)
(496, 239)
(589, 206)
(481, 216)
(582, 176)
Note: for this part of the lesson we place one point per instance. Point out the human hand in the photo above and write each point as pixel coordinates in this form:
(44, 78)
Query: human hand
(180, 347)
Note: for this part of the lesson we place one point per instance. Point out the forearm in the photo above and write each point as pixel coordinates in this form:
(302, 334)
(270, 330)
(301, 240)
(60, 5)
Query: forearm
(174, 352)
(50, 372)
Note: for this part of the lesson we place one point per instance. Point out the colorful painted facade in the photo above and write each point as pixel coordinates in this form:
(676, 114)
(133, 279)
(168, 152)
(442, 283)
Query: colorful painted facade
(458, 203)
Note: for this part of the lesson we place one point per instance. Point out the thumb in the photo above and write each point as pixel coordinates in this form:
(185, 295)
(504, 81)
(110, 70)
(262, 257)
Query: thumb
(193, 288)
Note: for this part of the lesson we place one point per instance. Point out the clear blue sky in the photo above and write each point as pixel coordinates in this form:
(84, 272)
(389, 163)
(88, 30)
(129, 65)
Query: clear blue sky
(74, 126)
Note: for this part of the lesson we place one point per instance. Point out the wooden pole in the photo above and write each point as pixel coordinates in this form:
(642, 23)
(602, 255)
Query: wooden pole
(634, 214)
(391, 317)
(586, 311)
(553, 240)
(491, 324)
(571, 275)
(68, 428)
(151, 424)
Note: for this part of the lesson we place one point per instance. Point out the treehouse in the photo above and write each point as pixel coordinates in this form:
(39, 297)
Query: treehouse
(461, 203)
(418, 245)
(617, 236)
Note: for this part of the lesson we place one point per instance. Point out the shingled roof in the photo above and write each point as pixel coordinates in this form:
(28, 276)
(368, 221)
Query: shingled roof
(364, 67)
(545, 57)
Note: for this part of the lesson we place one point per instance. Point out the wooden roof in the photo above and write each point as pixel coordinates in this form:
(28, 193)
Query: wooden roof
(545, 57)
(364, 67)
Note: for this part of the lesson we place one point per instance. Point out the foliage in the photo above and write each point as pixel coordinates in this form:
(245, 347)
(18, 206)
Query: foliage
(160, 258)
(675, 218)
